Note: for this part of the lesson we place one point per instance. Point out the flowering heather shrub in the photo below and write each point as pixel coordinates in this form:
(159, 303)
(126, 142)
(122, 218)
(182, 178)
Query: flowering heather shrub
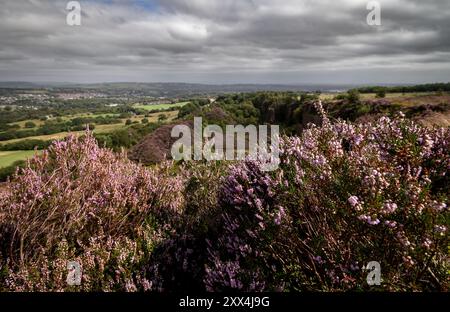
(90, 198)
(108, 264)
(345, 195)
(250, 220)
(178, 263)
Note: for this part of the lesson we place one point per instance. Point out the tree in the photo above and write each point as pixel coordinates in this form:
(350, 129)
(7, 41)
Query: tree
(128, 122)
(125, 115)
(162, 117)
(381, 93)
(353, 96)
(145, 121)
(187, 109)
(30, 124)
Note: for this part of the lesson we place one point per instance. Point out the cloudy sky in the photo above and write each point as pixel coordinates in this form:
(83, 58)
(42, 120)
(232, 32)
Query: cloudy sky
(226, 41)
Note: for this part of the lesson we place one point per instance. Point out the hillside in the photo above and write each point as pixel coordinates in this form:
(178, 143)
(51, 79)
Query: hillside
(294, 112)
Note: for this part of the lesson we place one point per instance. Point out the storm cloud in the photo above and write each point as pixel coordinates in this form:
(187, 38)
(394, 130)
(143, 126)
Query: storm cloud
(226, 41)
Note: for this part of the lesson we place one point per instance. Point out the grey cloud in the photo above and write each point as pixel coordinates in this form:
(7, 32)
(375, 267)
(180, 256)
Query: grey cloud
(293, 41)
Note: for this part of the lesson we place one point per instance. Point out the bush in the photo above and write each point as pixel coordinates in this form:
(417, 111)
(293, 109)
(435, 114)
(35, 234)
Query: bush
(340, 96)
(188, 109)
(353, 96)
(6, 127)
(7, 172)
(125, 115)
(26, 145)
(381, 93)
(344, 196)
(82, 202)
(83, 127)
(30, 124)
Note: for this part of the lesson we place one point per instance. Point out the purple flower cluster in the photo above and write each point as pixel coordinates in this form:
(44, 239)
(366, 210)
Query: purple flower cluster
(79, 192)
(344, 193)
(248, 194)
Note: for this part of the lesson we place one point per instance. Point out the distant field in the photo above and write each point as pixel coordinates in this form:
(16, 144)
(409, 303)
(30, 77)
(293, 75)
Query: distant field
(62, 135)
(328, 96)
(371, 96)
(160, 106)
(8, 158)
(39, 122)
(89, 115)
(413, 98)
(98, 128)
(22, 123)
(420, 99)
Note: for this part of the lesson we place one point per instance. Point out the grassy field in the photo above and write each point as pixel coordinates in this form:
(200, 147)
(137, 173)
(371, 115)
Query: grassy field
(62, 135)
(159, 106)
(22, 123)
(39, 122)
(55, 136)
(418, 96)
(8, 158)
(98, 128)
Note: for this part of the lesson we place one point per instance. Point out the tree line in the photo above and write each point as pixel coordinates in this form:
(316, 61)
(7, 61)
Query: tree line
(430, 87)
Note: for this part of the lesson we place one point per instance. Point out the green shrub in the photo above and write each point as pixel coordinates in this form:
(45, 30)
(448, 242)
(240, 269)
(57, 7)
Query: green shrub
(353, 96)
(30, 124)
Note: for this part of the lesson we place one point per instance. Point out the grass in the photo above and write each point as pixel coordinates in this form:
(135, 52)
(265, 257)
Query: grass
(404, 99)
(62, 135)
(371, 96)
(170, 115)
(91, 115)
(159, 106)
(55, 136)
(8, 158)
(38, 123)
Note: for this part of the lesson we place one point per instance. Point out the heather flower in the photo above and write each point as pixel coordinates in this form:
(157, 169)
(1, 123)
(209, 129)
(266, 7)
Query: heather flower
(357, 139)
(389, 207)
(130, 286)
(440, 229)
(390, 224)
(79, 192)
(353, 200)
(386, 164)
(408, 260)
(369, 220)
(439, 206)
(279, 216)
(427, 243)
